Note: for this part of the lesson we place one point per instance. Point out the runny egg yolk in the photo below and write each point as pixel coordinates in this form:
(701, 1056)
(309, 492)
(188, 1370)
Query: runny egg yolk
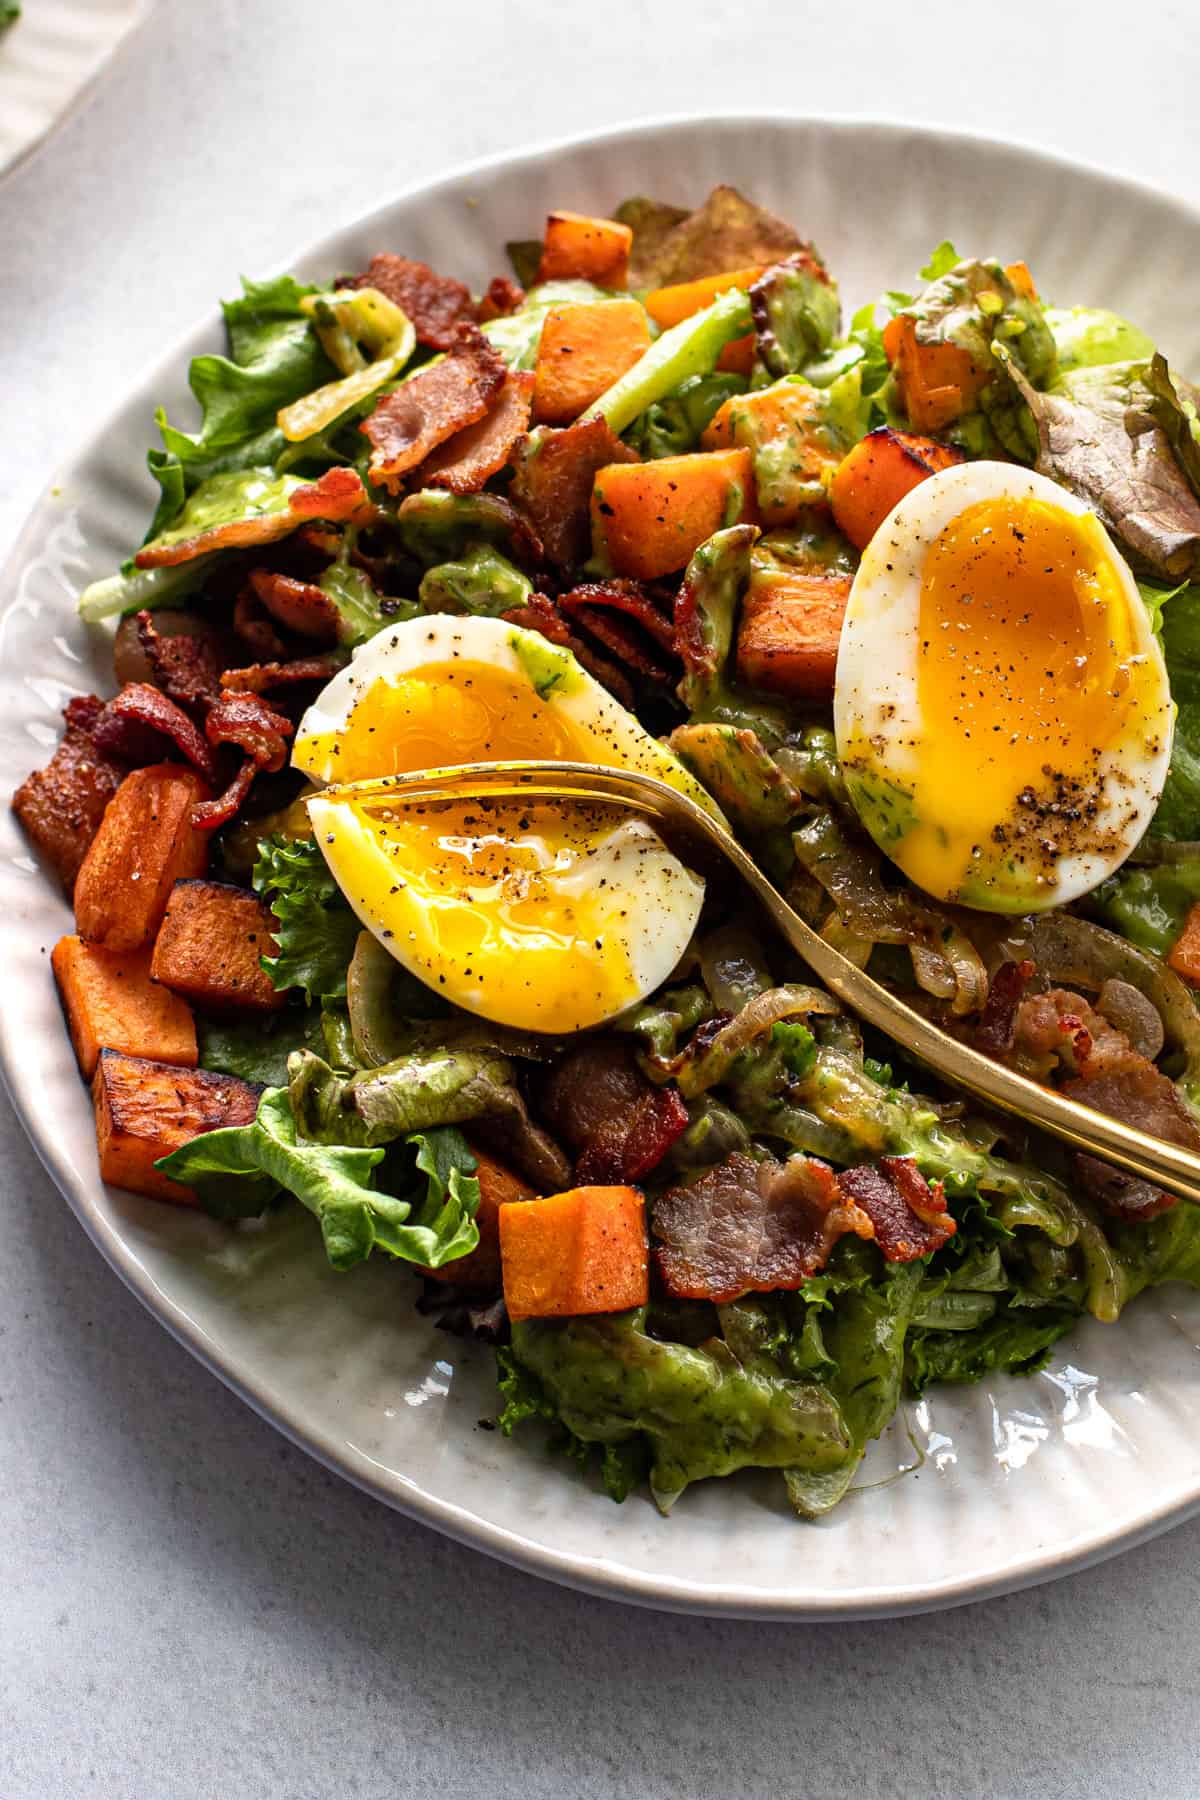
(1028, 678)
(549, 919)
(451, 712)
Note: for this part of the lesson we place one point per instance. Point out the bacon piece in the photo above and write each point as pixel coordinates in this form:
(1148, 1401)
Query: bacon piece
(1060, 1032)
(133, 725)
(260, 678)
(750, 1226)
(623, 641)
(209, 815)
(908, 1213)
(471, 457)
(540, 614)
(618, 1124)
(552, 482)
(1060, 1029)
(436, 304)
(504, 296)
(997, 1026)
(299, 605)
(252, 626)
(629, 597)
(430, 407)
(255, 727)
(60, 807)
(187, 668)
(1142, 1095)
(592, 606)
(339, 494)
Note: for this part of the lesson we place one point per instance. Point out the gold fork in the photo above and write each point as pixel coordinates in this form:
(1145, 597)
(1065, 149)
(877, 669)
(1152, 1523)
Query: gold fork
(693, 831)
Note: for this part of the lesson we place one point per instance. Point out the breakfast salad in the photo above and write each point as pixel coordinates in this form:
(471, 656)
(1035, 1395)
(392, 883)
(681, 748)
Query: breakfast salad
(909, 600)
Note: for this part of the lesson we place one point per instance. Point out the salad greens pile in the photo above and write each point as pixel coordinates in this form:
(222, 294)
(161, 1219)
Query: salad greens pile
(379, 1099)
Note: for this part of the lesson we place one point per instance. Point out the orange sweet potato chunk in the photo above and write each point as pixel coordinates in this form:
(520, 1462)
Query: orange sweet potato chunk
(1022, 280)
(480, 1269)
(669, 306)
(651, 516)
(583, 350)
(1184, 955)
(146, 1109)
(578, 248)
(145, 844)
(209, 944)
(876, 475)
(939, 381)
(794, 449)
(789, 633)
(111, 1003)
(579, 1252)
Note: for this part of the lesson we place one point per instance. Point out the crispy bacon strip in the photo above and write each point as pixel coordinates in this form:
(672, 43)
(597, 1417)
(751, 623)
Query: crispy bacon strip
(1061, 1033)
(618, 636)
(908, 1213)
(209, 815)
(260, 678)
(339, 494)
(301, 606)
(552, 482)
(410, 423)
(471, 457)
(750, 1226)
(503, 296)
(1141, 1095)
(132, 726)
(254, 629)
(60, 807)
(607, 608)
(618, 1124)
(436, 304)
(187, 668)
(998, 1021)
(255, 727)
(628, 597)
(540, 614)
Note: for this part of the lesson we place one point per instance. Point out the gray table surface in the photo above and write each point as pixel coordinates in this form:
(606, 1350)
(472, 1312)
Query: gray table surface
(189, 1607)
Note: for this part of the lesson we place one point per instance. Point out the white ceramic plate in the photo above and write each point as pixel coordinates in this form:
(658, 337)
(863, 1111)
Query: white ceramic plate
(1016, 1480)
(48, 61)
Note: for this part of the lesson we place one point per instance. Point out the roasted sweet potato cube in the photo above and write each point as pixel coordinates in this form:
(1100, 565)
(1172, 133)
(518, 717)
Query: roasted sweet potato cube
(111, 1003)
(794, 447)
(1184, 955)
(579, 1252)
(576, 247)
(1022, 280)
(582, 351)
(209, 945)
(145, 844)
(738, 358)
(788, 637)
(651, 516)
(875, 476)
(146, 1109)
(61, 806)
(480, 1270)
(938, 381)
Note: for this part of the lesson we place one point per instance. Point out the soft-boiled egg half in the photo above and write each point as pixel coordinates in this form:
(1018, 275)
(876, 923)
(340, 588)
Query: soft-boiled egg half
(548, 916)
(1002, 708)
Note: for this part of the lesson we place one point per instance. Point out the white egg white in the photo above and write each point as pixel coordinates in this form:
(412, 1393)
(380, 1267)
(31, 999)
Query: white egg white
(883, 738)
(605, 731)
